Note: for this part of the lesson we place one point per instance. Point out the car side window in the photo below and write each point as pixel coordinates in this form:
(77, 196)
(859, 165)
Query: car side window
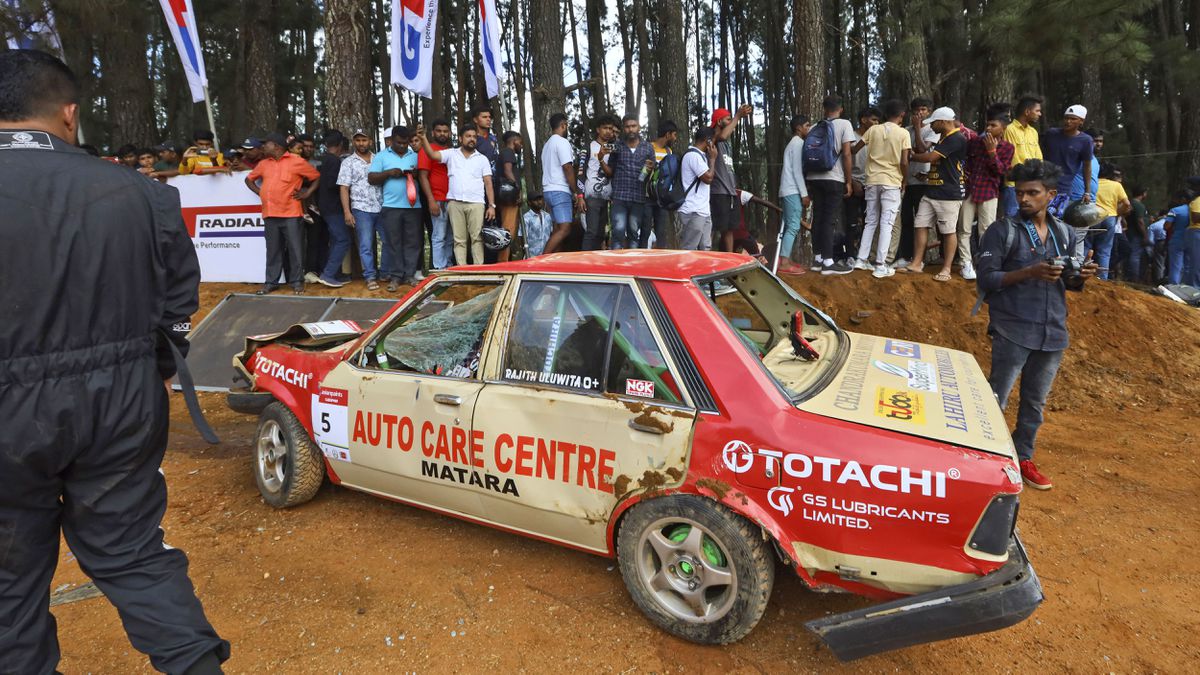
(636, 366)
(440, 334)
(585, 336)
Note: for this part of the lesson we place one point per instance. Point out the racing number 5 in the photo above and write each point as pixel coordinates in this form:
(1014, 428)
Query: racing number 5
(325, 426)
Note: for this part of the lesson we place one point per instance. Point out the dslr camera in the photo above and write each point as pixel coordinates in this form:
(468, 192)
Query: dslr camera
(1070, 267)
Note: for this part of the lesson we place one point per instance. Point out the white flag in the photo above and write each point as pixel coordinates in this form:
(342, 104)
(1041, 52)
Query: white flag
(182, 22)
(489, 45)
(413, 27)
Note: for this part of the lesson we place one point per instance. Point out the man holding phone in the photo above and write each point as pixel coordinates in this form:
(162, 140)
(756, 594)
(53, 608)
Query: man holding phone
(202, 156)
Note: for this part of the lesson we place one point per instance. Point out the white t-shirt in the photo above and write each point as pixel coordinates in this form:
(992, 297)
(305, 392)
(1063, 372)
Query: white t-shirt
(466, 175)
(695, 163)
(843, 132)
(791, 180)
(930, 137)
(596, 185)
(555, 154)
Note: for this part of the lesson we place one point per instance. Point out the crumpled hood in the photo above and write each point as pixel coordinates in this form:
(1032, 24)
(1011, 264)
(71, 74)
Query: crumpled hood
(919, 389)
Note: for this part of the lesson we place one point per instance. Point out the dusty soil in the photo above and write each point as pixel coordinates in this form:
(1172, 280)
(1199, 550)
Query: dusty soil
(351, 583)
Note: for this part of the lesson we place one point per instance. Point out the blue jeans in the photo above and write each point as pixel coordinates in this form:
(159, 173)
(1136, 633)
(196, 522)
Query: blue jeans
(339, 244)
(1138, 248)
(793, 210)
(1008, 201)
(1100, 240)
(366, 225)
(1037, 370)
(659, 218)
(627, 220)
(441, 239)
(1192, 248)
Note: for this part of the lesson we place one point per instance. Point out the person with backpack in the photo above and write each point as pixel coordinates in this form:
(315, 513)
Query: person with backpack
(697, 171)
(828, 172)
(1027, 307)
(656, 214)
(597, 187)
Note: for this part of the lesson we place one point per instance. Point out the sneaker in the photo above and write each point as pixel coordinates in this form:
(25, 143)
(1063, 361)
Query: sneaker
(372, 285)
(332, 283)
(860, 264)
(312, 278)
(1034, 478)
(839, 267)
(900, 263)
(883, 272)
(968, 271)
(419, 275)
(818, 261)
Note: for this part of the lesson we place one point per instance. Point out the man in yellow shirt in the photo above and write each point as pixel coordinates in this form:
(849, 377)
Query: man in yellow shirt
(202, 156)
(1191, 241)
(1111, 198)
(1026, 145)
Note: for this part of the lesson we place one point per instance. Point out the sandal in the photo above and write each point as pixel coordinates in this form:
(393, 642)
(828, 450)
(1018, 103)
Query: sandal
(372, 285)
(942, 276)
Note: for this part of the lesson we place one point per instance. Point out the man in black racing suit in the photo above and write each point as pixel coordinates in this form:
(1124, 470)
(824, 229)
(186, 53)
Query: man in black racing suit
(96, 268)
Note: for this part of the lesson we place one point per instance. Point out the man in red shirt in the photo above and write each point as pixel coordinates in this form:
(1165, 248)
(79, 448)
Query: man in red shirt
(989, 157)
(287, 180)
(435, 181)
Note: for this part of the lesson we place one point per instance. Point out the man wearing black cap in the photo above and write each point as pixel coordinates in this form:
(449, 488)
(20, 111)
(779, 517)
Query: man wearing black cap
(329, 204)
(287, 180)
(168, 161)
(395, 169)
(361, 204)
(85, 348)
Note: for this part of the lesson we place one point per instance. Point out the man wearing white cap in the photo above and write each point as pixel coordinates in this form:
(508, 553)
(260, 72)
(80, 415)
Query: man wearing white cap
(943, 199)
(1072, 150)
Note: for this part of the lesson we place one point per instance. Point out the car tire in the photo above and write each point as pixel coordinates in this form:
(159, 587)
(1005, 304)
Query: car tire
(288, 468)
(710, 586)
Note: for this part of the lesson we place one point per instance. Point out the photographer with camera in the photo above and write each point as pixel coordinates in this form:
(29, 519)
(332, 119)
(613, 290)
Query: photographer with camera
(1024, 270)
(202, 156)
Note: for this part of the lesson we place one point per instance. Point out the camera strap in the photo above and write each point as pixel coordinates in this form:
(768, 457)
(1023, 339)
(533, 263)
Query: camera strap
(1034, 239)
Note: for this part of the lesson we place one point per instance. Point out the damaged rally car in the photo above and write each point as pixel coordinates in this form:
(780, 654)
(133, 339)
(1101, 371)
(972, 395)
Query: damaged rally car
(685, 412)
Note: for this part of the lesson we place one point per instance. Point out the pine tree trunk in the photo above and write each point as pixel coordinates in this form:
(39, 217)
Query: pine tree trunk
(626, 46)
(673, 80)
(546, 41)
(1089, 74)
(348, 100)
(646, 62)
(809, 38)
(595, 49)
(259, 39)
(126, 79)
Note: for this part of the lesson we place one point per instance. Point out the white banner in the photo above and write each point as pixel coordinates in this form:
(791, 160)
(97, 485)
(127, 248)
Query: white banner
(182, 22)
(413, 26)
(489, 45)
(224, 219)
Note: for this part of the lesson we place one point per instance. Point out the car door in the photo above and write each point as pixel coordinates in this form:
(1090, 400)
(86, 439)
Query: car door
(581, 406)
(396, 418)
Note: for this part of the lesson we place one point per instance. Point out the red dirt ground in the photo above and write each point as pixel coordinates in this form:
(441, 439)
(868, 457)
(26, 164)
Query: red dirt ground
(351, 583)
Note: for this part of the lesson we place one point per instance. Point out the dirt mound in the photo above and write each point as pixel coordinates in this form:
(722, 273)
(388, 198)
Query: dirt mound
(1128, 348)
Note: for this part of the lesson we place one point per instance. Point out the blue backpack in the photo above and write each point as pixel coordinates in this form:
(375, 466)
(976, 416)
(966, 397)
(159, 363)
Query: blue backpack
(665, 186)
(820, 149)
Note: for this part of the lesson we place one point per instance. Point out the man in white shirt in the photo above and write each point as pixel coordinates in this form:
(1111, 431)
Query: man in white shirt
(829, 188)
(361, 204)
(597, 188)
(558, 181)
(793, 193)
(696, 172)
(470, 197)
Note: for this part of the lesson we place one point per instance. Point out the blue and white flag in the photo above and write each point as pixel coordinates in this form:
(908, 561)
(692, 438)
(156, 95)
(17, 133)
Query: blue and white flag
(489, 45)
(414, 24)
(182, 22)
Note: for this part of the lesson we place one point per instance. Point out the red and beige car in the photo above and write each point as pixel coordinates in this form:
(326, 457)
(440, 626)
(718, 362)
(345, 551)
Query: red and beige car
(685, 412)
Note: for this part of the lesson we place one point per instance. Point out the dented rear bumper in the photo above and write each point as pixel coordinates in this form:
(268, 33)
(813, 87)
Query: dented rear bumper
(999, 600)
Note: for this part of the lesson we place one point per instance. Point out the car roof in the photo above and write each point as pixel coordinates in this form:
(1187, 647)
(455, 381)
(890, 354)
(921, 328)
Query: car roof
(654, 263)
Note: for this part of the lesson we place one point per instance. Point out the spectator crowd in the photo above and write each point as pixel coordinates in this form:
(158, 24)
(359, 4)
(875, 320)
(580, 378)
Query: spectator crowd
(894, 189)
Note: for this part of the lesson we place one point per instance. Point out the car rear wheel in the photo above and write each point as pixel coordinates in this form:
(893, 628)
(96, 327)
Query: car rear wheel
(695, 569)
(287, 465)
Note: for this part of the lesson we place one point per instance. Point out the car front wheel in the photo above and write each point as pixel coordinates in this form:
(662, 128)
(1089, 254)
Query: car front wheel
(696, 569)
(287, 465)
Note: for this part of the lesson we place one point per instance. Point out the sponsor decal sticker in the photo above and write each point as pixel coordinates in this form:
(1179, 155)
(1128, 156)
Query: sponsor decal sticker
(920, 375)
(900, 404)
(278, 371)
(902, 348)
(331, 422)
(229, 225)
(642, 388)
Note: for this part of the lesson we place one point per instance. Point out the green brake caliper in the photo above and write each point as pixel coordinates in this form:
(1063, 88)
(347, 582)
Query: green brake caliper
(712, 553)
